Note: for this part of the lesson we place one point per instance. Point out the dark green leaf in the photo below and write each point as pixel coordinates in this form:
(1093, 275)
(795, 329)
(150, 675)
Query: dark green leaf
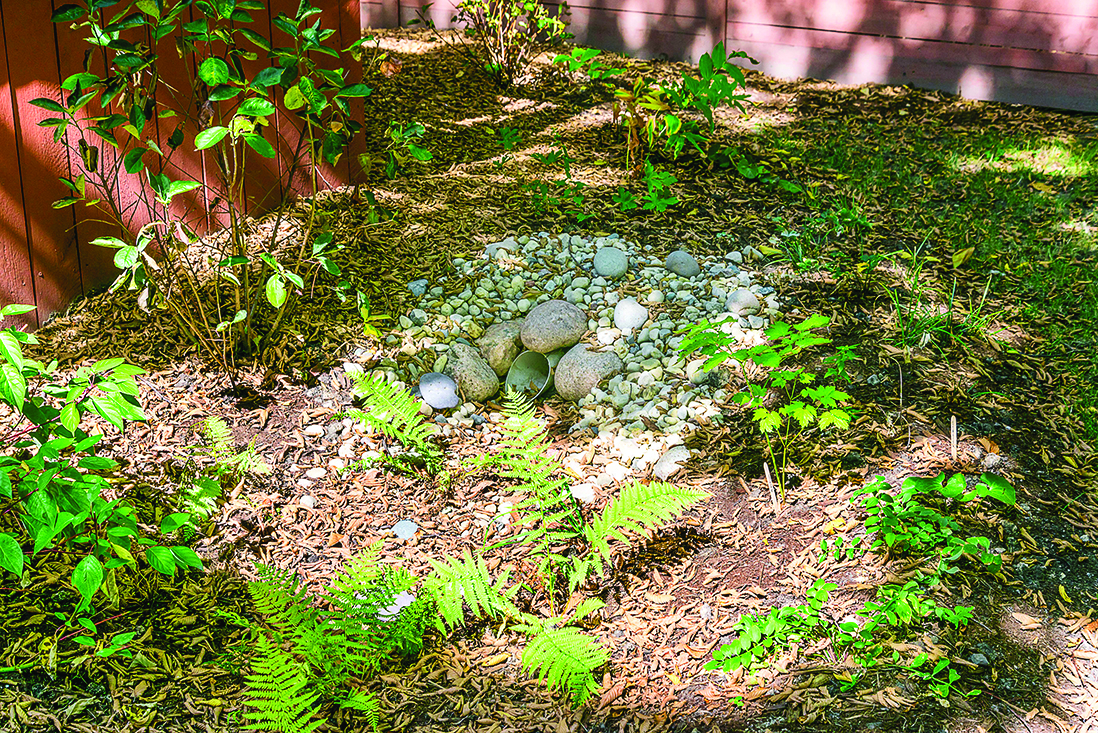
(255, 38)
(174, 521)
(49, 104)
(132, 162)
(256, 107)
(267, 77)
(223, 91)
(260, 145)
(355, 90)
(80, 80)
(187, 556)
(65, 13)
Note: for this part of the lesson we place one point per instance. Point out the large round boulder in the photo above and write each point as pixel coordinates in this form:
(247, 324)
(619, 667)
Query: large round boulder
(552, 325)
(611, 263)
(500, 344)
(476, 380)
(580, 371)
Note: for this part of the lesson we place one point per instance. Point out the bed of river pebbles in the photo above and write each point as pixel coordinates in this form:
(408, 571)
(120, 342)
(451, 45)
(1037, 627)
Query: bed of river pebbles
(615, 309)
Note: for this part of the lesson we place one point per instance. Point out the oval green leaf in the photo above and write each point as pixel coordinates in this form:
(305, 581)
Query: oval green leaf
(88, 576)
(256, 107)
(260, 145)
(209, 138)
(276, 291)
(11, 555)
(161, 559)
(213, 71)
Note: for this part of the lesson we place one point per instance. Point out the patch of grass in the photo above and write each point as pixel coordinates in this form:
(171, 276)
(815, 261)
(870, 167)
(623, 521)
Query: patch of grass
(1018, 193)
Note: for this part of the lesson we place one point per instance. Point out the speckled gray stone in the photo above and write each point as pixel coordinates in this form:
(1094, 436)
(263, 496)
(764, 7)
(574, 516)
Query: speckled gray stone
(611, 262)
(682, 263)
(580, 371)
(552, 325)
(500, 344)
(669, 463)
(476, 380)
(742, 302)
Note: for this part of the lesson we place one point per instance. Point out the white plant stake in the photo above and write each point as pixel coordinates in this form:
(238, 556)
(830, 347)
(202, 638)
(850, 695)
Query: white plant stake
(953, 436)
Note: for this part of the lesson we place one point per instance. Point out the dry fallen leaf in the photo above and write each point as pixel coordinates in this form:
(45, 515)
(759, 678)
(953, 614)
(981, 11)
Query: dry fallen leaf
(1027, 622)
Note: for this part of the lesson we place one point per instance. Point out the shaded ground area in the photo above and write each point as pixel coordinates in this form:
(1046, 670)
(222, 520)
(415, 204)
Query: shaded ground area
(895, 185)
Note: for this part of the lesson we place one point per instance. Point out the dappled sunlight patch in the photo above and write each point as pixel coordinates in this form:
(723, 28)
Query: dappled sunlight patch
(1055, 159)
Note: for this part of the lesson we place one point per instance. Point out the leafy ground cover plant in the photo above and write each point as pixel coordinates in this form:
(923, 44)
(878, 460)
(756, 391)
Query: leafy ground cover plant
(800, 406)
(107, 121)
(903, 523)
(52, 481)
(895, 526)
(566, 196)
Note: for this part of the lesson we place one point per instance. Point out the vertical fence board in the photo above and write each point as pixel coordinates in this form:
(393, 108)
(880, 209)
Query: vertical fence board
(16, 280)
(54, 252)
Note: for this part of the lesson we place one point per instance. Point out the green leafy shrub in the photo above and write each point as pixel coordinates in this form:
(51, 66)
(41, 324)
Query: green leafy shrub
(800, 407)
(506, 34)
(653, 114)
(905, 525)
(53, 481)
(215, 298)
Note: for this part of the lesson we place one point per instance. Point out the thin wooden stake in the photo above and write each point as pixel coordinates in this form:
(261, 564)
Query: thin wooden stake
(953, 436)
(770, 484)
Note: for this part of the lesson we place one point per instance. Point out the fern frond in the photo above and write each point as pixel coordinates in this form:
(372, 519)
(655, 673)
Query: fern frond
(198, 494)
(394, 412)
(587, 607)
(217, 434)
(281, 597)
(247, 461)
(277, 690)
(565, 658)
(639, 508)
(375, 611)
(364, 702)
(466, 580)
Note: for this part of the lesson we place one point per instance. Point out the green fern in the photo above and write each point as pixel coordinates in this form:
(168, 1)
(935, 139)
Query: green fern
(285, 603)
(199, 495)
(638, 509)
(376, 612)
(394, 412)
(548, 517)
(565, 658)
(457, 581)
(364, 702)
(277, 692)
(522, 455)
(217, 434)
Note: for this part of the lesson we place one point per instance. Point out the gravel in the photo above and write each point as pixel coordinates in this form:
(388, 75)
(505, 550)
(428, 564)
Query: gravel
(659, 396)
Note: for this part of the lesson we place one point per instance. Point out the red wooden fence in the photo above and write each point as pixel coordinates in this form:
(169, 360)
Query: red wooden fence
(1039, 52)
(1042, 52)
(45, 255)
